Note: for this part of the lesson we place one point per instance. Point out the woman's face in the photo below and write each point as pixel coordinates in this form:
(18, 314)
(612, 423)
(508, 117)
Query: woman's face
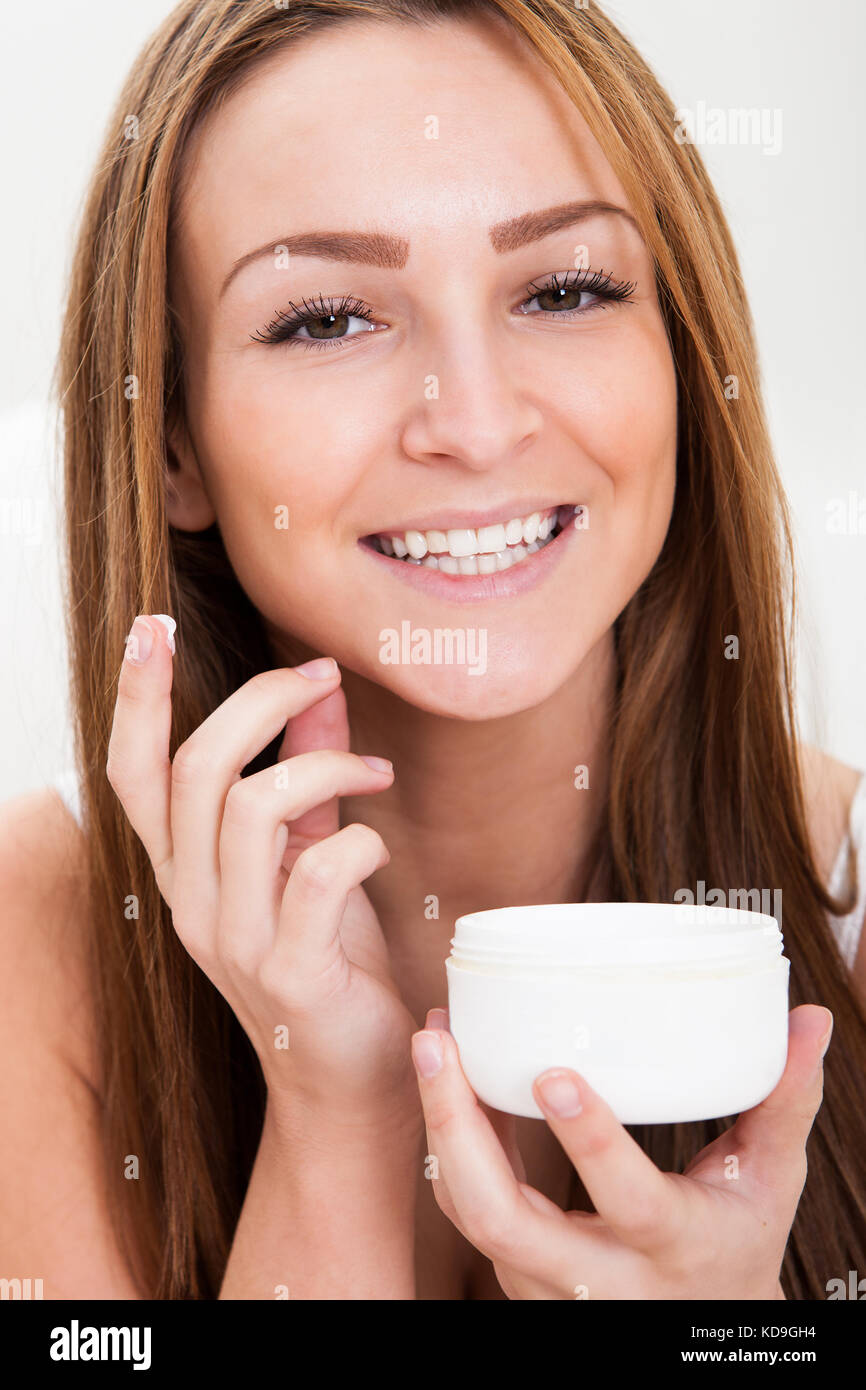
(455, 370)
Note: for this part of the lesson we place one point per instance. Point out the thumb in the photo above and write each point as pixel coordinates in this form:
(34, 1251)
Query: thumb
(780, 1125)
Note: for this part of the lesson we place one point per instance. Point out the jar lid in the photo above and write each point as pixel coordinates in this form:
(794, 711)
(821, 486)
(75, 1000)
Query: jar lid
(614, 934)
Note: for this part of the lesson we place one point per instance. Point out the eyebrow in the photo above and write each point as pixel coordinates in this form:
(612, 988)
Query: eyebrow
(392, 252)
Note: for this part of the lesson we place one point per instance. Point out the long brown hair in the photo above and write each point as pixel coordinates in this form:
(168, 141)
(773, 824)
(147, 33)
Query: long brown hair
(705, 771)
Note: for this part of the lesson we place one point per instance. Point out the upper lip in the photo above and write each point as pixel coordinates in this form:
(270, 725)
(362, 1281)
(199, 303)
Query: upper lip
(455, 519)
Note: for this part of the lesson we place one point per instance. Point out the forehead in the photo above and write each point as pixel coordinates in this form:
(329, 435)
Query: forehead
(424, 131)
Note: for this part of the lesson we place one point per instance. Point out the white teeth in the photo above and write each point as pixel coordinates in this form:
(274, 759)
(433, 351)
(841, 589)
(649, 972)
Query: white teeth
(491, 539)
(481, 550)
(416, 544)
(462, 543)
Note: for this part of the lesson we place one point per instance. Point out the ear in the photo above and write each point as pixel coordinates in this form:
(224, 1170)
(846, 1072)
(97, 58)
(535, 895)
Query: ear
(187, 504)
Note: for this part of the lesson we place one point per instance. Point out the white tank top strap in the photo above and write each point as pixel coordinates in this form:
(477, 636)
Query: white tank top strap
(851, 858)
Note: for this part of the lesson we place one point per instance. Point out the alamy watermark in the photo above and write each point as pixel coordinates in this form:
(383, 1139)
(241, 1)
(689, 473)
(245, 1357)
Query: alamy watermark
(846, 516)
(738, 125)
(438, 646)
(766, 900)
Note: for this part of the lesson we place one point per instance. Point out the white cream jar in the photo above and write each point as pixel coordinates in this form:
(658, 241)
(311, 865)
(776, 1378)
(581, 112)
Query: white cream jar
(671, 1012)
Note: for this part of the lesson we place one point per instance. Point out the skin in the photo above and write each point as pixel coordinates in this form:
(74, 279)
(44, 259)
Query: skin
(264, 884)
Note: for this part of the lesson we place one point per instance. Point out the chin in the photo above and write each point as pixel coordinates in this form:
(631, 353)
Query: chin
(504, 687)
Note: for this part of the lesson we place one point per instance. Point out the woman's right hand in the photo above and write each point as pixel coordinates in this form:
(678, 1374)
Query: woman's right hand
(263, 885)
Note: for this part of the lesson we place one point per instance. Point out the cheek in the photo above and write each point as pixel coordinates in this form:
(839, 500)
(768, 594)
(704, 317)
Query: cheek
(620, 411)
(277, 461)
(626, 416)
(281, 472)
(618, 402)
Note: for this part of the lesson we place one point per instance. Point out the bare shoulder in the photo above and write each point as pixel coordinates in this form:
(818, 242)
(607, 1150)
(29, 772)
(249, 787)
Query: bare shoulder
(54, 1221)
(43, 945)
(829, 787)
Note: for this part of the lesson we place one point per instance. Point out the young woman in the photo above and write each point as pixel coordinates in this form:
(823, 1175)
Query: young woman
(409, 315)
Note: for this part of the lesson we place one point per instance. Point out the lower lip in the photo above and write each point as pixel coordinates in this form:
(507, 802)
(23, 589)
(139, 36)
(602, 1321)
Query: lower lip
(479, 588)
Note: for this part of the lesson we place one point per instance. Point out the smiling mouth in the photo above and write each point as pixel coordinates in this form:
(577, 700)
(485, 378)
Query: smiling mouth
(483, 550)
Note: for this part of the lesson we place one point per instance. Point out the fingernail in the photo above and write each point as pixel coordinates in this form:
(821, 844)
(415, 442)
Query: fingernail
(379, 764)
(321, 669)
(559, 1095)
(437, 1018)
(170, 626)
(427, 1053)
(139, 642)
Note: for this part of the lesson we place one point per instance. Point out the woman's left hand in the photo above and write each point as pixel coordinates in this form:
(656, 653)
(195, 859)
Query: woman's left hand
(716, 1231)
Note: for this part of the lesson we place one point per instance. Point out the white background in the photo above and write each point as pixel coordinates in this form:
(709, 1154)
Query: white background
(797, 219)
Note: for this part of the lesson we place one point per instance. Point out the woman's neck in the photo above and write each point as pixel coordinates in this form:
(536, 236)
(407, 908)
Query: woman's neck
(481, 814)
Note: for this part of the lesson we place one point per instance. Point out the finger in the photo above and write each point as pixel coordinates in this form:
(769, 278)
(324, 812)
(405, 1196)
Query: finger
(325, 725)
(307, 949)
(209, 762)
(503, 1126)
(640, 1204)
(486, 1197)
(774, 1133)
(251, 850)
(138, 766)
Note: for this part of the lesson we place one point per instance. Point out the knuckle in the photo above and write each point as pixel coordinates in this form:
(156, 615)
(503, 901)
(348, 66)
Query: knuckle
(242, 804)
(121, 774)
(442, 1117)
(315, 871)
(271, 683)
(365, 835)
(163, 872)
(595, 1142)
(133, 687)
(188, 765)
(334, 758)
(491, 1228)
(116, 772)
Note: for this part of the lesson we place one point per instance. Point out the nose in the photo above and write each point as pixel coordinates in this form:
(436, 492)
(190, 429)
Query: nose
(472, 410)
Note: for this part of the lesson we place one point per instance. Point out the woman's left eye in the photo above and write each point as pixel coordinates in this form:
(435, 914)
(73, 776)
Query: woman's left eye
(558, 301)
(561, 298)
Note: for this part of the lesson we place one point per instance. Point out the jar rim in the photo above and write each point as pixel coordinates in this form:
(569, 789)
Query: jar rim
(615, 933)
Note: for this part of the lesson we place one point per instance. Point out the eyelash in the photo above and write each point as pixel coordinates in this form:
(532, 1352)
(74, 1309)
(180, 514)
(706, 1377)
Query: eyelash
(283, 328)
